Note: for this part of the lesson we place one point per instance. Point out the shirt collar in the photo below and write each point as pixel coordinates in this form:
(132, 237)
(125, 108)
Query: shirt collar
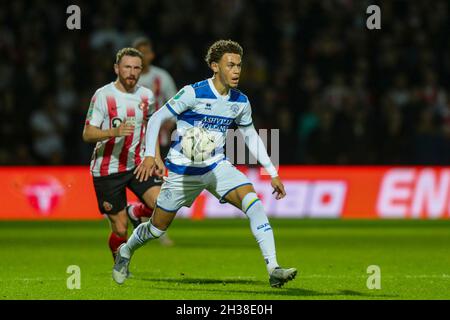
(216, 93)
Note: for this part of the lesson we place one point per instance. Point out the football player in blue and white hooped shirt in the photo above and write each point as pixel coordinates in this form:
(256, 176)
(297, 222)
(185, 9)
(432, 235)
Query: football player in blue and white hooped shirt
(214, 104)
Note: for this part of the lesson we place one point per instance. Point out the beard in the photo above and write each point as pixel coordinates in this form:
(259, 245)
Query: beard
(128, 83)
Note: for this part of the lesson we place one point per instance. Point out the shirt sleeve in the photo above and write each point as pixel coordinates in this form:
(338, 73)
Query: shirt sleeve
(257, 149)
(245, 118)
(182, 101)
(150, 107)
(153, 126)
(169, 88)
(97, 110)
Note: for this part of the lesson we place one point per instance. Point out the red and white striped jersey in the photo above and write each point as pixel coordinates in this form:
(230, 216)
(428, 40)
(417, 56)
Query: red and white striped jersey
(161, 83)
(108, 109)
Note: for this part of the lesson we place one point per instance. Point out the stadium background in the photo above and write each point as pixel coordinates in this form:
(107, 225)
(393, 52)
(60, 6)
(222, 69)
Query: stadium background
(339, 93)
(364, 129)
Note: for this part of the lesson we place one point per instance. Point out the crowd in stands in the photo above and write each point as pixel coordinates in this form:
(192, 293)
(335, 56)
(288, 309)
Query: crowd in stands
(338, 92)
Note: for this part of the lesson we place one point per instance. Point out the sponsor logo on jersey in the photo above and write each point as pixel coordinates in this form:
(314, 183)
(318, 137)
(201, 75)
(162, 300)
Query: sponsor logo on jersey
(216, 123)
(91, 110)
(179, 94)
(116, 122)
(235, 109)
(131, 121)
(143, 105)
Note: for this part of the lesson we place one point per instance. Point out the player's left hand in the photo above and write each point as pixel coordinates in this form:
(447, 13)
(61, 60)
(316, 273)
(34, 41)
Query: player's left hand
(145, 169)
(278, 188)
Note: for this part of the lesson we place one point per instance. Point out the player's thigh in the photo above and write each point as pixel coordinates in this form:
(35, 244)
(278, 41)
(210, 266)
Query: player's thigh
(146, 191)
(111, 193)
(229, 184)
(179, 191)
(151, 195)
(119, 223)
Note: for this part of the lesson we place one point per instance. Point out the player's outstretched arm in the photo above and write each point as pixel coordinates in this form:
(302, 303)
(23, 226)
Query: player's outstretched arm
(258, 150)
(150, 164)
(160, 167)
(153, 126)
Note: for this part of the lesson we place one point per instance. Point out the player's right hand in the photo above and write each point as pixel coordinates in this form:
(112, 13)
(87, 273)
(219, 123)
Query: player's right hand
(278, 188)
(160, 168)
(125, 129)
(145, 169)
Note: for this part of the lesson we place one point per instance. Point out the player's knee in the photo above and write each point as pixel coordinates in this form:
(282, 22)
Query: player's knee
(250, 199)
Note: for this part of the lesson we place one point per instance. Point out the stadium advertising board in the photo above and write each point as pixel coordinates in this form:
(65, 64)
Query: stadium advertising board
(60, 193)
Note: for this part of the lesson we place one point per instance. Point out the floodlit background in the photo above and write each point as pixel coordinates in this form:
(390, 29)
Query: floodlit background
(364, 120)
(339, 93)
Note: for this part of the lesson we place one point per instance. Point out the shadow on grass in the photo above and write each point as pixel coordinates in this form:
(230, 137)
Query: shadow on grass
(203, 281)
(283, 292)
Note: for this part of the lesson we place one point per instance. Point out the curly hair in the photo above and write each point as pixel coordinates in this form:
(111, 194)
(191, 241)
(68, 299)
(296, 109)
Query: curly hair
(219, 48)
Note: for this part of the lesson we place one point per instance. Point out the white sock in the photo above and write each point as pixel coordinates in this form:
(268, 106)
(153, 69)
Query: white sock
(261, 229)
(142, 234)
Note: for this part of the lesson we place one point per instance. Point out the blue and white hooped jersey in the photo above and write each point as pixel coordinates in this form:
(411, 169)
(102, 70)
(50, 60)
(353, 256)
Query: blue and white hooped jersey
(201, 105)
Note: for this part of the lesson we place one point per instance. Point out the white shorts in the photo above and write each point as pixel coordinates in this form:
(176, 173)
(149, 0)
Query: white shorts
(181, 190)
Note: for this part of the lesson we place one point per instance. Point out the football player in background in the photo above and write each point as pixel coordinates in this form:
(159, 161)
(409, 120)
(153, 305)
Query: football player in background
(116, 122)
(163, 87)
(161, 83)
(213, 104)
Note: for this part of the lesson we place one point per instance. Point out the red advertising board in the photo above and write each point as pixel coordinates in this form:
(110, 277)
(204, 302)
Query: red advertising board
(312, 192)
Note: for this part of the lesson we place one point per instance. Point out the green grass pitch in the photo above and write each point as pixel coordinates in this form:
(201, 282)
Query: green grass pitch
(219, 259)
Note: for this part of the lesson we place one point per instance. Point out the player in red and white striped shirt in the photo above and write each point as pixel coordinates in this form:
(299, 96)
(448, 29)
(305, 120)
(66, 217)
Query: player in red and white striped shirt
(116, 122)
(163, 87)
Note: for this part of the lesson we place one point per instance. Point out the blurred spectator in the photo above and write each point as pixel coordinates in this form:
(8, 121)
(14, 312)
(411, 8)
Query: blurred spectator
(339, 93)
(399, 92)
(427, 142)
(322, 146)
(22, 156)
(49, 126)
(394, 146)
(287, 137)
